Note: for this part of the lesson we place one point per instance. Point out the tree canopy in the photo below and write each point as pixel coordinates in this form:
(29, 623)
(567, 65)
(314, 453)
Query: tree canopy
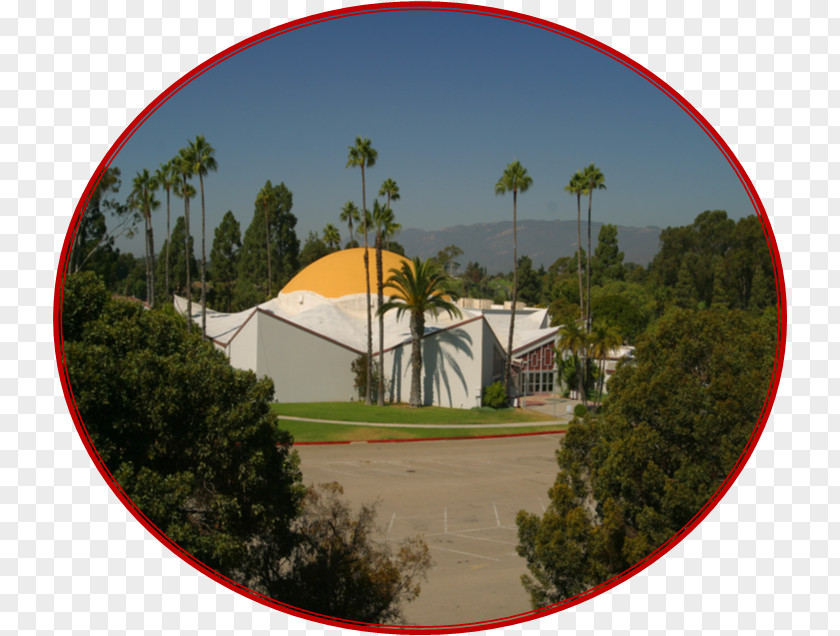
(675, 425)
(193, 444)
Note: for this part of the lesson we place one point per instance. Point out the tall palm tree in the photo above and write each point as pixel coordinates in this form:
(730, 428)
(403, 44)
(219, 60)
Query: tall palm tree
(364, 156)
(577, 186)
(143, 198)
(383, 220)
(183, 167)
(204, 161)
(602, 341)
(391, 190)
(331, 236)
(420, 287)
(594, 181)
(572, 338)
(515, 179)
(350, 213)
(166, 178)
(265, 198)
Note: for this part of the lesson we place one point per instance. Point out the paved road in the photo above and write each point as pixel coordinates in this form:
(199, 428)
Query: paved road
(462, 496)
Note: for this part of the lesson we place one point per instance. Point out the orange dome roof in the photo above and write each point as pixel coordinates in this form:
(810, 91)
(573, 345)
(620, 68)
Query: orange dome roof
(342, 273)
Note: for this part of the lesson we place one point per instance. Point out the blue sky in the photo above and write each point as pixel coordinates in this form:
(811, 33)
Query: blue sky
(448, 100)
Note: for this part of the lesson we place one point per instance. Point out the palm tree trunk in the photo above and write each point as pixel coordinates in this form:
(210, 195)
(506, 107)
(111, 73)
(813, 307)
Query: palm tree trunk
(509, 359)
(148, 279)
(380, 389)
(589, 265)
(417, 328)
(168, 241)
(203, 264)
(151, 261)
(267, 249)
(580, 270)
(369, 372)
(187, 254)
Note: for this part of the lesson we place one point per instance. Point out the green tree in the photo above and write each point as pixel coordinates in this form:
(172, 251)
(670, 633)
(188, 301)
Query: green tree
(675, 426)
(447, 258)
(571, 338)
(224, 258)
(337, 546)
(93, 243)
(577, 187)
(331, 237)
(363, 155)
(603, 340)
(202, 156)
(177, 265)
(514, 179)
(609, 261)
(270, 238)
(143, 199)
(183, 168)
(167, 179)
(419, 287)
(383, 219)
(350, 214)
(193, 444)
(313, 249)
(190, 440)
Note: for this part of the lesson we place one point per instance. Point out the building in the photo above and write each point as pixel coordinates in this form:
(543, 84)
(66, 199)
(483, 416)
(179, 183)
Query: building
(307, 337)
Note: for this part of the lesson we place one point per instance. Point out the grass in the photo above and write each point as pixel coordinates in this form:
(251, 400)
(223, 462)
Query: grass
(437, 422)
(321, 432)
(402, 414)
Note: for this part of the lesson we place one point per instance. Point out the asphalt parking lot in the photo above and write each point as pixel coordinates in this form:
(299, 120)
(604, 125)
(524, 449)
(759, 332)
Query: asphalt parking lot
(462, 496)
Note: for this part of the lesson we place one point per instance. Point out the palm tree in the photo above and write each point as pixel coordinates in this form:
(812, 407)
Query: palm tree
(391, 190)
(383, 220)
(203, 161)
(143, 198)
(594, 181)
(265, 197)
(364, 156)
(420, 287)
(577, 186)
(515, 179)
(166, 178)
(602, 341)
(350, 213)
(183, 168)
(572, 338)
(331, 236)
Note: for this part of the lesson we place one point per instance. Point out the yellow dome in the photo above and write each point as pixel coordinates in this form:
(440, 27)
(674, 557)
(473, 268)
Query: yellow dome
(342, 273)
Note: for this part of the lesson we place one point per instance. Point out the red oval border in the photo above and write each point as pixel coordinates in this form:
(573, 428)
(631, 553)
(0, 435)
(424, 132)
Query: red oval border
(456, 8)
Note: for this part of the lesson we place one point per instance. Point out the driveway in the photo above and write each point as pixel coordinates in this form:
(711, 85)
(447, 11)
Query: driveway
(462, 496)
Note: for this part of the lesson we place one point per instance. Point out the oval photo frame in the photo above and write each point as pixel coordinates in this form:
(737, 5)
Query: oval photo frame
(462, 9)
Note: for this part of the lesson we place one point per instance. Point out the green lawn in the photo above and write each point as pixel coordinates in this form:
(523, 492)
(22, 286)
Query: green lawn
(320, 432)
(402, 414)
(437, 422)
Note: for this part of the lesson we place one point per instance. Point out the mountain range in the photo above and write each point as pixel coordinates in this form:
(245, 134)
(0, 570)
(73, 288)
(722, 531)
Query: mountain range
(491, 244)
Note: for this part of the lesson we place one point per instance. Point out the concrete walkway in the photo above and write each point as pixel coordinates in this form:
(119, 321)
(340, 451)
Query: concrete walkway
(429, 426)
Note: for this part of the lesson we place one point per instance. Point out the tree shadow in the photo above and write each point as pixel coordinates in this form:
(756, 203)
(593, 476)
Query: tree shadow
(439, 358)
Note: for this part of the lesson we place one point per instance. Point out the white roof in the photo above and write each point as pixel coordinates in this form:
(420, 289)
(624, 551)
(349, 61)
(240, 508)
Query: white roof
(343, 320)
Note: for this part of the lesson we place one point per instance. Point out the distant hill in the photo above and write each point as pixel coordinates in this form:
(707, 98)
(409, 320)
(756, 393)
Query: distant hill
(491, 244)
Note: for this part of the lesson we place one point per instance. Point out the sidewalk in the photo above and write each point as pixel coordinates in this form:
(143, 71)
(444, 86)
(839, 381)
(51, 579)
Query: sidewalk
(564, 420)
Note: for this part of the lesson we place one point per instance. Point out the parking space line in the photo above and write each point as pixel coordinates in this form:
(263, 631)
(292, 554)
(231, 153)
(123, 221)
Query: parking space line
(477, 556)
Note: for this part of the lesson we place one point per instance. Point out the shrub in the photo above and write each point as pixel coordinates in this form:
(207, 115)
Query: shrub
(581, 410)
(495, 396)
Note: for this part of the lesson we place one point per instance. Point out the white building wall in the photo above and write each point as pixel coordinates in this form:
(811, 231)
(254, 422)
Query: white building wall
(452, 372)
(305, 367)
